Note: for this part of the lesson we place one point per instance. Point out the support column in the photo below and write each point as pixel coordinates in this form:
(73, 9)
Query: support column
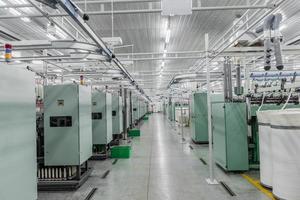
(130, 110)
(211, 180)
(124, 97)
(181, 113)
(227, 80)
(247, 79)
(45, 68)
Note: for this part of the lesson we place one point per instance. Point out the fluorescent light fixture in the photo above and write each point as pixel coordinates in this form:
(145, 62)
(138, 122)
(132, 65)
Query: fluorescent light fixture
(26, 19)
(18, 1)
(60, 33)
(57, 70)
(165, 53)
(52, 37)
(17, 13)
(2, 3)
(283, 26)
(168, 35)
(14, 11)
(26, 10)
(167, 24)
(37, 62)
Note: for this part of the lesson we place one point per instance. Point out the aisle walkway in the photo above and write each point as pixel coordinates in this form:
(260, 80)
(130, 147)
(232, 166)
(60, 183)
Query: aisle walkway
(162, 167)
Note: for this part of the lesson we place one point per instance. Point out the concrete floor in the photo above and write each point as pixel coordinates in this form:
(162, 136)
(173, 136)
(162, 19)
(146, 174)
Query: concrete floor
(162, 167)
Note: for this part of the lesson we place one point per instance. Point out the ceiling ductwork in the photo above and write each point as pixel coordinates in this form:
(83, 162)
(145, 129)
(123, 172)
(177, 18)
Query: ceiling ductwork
(192, 77)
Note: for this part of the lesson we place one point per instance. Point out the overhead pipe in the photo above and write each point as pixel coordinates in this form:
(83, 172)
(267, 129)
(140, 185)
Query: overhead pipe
(80, 18)
(138, 11)
(36, 72)
(181, 77)
(115, 1)
(97, 72)
(188, 77)
(113, 76)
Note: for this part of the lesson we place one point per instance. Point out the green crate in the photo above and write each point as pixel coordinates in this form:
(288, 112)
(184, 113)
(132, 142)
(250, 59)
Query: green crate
(134, 133)
(145, 118)
(121, 152)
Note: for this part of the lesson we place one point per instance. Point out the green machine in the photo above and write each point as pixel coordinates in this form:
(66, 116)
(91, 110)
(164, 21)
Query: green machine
(199, 121)
(171, 111)
(235, 134)
(101, 119)
(67, 136)
(17, 136)
(117, 115)
(230, 135)
(164, 108)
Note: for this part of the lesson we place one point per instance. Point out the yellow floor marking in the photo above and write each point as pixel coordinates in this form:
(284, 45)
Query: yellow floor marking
(257, 184)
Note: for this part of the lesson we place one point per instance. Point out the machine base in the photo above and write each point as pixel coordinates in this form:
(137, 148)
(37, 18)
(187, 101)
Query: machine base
(277, 198)
(66, 185)
(99, 157)
(266, 186)
(195, 142)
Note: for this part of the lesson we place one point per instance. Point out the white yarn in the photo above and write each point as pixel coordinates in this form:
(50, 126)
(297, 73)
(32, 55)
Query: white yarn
(265, 148)
(286, 154)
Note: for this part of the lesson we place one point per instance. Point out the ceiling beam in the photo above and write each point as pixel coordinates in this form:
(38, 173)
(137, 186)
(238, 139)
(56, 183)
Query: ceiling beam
(115, 1)
(16, 6)
(138, 11)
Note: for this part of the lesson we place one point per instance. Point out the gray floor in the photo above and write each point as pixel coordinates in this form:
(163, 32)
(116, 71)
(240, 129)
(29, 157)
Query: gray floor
(162, 167)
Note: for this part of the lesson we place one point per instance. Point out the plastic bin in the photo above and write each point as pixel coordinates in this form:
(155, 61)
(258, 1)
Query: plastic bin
(123, 152)
(134, 133)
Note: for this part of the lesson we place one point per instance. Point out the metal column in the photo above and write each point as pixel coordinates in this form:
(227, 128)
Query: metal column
(227, 80)
(211, 180)
(45, 68)
(130, 110)
(181, 113)
(124, 113)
